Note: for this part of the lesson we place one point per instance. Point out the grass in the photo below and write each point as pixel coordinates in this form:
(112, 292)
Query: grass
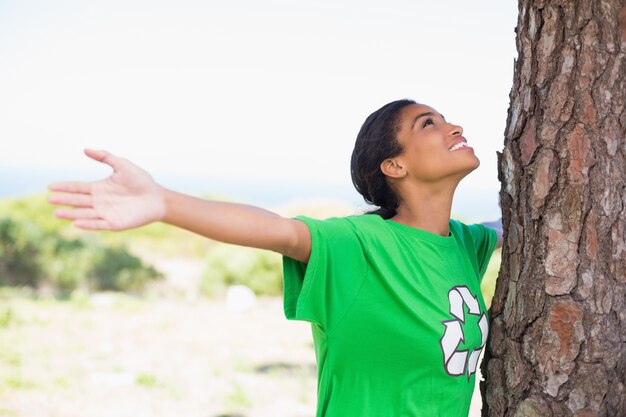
(6, 317)
(17, 382)
(6, 412)
(68, 357)
(238, 398)
(10, 357)
(147, 380)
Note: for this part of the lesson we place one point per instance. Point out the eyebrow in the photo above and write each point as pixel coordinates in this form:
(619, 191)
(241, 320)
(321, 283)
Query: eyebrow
(419, 116)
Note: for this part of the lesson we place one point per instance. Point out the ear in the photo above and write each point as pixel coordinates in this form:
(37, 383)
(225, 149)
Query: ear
(393, 168)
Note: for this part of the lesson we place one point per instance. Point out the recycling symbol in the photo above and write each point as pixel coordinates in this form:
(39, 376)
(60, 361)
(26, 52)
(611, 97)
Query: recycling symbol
(457, 361)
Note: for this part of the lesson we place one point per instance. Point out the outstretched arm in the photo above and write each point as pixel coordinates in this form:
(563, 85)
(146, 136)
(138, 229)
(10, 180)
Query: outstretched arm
(238, 224)
(497, 226)
(130, 198)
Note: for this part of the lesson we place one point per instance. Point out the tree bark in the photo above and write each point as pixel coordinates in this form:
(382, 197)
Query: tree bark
(558, 319)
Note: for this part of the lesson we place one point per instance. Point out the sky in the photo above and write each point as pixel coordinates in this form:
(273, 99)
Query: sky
(218, 94)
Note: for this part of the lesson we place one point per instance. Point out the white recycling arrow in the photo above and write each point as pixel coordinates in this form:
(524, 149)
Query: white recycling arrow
(452, 338)
(472, 362)
(456, 361)
(456, 304)
(483, 325)
(470, 301)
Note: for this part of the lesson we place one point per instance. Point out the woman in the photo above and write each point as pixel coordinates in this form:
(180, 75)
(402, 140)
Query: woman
(393, 296)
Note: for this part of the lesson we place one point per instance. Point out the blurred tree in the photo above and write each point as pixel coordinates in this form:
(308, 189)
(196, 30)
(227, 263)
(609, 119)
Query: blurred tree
(558, 331)
(227, 265)
(18, 253)
(32, 257)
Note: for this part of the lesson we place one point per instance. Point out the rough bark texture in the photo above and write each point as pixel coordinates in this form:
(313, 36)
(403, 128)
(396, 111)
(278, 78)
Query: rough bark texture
(558, 321)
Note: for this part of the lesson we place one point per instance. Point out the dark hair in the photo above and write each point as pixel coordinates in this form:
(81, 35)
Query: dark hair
(377, 140)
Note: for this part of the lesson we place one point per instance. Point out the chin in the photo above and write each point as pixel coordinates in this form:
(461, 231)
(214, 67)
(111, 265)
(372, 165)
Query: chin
(477, 162)
(470, 168)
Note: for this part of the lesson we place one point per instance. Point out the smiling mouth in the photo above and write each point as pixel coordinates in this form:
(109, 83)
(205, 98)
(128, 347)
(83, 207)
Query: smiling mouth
(459, 146)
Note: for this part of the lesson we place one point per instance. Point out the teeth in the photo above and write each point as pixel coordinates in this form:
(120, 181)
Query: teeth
(458, 146)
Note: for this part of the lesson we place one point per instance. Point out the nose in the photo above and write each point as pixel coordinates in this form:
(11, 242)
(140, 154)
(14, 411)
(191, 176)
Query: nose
(455, 130)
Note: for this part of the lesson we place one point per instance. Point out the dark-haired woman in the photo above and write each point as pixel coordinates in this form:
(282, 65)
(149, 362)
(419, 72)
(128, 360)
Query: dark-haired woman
(393, 296)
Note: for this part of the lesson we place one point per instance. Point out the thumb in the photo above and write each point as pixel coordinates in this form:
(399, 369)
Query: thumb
(104, 157)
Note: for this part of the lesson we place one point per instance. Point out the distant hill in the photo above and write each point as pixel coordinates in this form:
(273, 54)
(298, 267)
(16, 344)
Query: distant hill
(478, 205)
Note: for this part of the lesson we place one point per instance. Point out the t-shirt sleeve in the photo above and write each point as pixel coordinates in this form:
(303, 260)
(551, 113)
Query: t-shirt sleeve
(485, 240)
(322, 290)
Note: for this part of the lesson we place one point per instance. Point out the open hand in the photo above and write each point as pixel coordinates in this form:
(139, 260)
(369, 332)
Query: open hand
(128, 198)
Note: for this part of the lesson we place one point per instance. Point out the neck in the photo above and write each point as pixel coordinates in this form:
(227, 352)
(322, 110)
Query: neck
(426, 209)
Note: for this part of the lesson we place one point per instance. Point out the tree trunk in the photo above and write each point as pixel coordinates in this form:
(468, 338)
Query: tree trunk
(558, 319)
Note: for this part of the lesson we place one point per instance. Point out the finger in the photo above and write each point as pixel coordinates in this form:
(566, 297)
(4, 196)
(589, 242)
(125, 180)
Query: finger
(71, 187)
(74, 200)
(92, 224)
(105, 157)
(76, 214)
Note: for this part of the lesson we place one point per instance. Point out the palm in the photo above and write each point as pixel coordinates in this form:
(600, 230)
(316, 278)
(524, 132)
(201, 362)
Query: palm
(128, 198)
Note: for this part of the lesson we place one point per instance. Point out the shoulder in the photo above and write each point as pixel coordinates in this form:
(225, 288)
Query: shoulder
(464, 228)
(365, 220)
(347, 227)
(477, 233)
(459, 228)
(354, 222)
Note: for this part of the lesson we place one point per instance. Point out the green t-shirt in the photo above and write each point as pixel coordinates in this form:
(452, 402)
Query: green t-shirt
(397, 315)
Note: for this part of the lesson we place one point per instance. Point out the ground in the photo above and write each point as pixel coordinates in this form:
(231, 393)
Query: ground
(112, 355)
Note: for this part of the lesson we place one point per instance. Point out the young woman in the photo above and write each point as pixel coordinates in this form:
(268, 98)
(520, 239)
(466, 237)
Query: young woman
(393, 296)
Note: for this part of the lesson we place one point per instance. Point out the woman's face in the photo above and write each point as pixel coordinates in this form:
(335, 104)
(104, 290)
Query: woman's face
(429, 153)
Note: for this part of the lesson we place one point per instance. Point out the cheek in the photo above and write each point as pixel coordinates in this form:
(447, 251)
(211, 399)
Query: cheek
(431, 164)
(428, 164)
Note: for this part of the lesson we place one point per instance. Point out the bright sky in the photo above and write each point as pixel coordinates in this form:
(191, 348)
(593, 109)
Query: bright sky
(271, 90)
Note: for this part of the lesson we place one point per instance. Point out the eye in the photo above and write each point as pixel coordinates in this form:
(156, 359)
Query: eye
(428, 122)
